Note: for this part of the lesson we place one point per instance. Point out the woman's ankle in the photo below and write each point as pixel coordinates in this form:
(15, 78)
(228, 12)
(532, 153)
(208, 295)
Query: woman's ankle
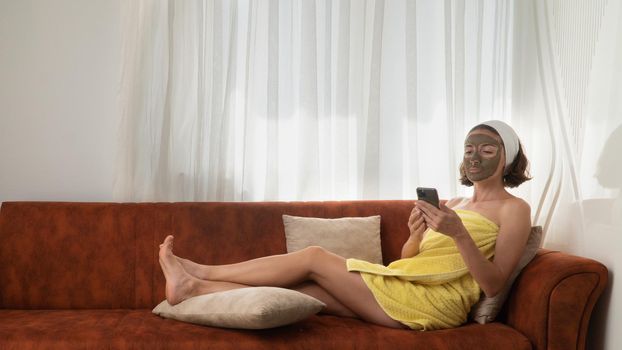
(196, 270)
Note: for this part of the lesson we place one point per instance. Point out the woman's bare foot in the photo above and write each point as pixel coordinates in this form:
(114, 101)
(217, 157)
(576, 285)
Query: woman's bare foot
(179, 284)
(194, 269)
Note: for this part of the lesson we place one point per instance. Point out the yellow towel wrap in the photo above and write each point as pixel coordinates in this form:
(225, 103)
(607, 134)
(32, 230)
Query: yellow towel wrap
(434, 289)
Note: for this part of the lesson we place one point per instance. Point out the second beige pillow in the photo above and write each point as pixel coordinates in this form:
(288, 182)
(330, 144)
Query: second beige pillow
(349, 237)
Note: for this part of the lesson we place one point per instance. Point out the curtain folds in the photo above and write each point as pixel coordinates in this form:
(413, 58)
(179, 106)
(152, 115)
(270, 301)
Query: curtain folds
(305, 100)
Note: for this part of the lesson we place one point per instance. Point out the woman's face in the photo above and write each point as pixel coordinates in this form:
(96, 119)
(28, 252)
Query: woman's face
(483, 155)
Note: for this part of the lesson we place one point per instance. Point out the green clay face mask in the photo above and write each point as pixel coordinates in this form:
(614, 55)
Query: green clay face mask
(482, 154)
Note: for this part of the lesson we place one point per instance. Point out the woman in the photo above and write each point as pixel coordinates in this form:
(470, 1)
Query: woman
(418, 291)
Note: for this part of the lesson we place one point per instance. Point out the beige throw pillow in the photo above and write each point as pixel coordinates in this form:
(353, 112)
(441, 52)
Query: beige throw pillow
(486, 309)
(349, 237)
(245, 308)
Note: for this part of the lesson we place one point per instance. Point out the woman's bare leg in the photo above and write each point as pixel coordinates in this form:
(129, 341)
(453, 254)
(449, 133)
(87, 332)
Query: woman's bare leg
(288, 270)
(182, 285)
(333, 306)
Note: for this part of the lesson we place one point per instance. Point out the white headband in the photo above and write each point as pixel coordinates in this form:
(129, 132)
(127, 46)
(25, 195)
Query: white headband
(509, 138)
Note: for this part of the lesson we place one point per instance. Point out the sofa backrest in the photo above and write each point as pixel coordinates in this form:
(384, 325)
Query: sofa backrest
(57, 255)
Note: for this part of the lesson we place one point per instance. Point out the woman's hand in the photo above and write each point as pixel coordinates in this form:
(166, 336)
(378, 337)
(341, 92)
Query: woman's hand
(416, 224)
(417, 228)
(443, 220)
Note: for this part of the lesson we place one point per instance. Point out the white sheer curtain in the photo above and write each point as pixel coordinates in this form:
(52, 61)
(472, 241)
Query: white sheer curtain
(306, 100)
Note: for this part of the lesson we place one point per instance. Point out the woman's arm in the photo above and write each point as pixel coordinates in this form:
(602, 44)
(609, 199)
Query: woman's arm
(515, 225)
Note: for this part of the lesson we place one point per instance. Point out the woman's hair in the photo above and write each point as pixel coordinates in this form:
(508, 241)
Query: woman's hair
(516, 174)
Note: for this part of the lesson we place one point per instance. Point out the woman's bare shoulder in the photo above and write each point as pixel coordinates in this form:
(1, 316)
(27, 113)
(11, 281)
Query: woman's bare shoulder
(515, 209)
(516, 203)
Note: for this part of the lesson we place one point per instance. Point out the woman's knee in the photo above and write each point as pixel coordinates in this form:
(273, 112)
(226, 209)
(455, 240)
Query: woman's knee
(317, 249)
(315, 252)
(314, 257)
(322, 264)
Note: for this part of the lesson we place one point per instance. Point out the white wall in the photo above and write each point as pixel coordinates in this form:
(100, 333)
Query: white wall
(59, 72)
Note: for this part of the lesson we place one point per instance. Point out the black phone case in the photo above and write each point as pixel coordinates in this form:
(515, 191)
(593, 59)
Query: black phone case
(429, 195)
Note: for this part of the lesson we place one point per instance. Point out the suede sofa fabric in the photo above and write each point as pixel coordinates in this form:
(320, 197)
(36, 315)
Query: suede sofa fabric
(132, 329)
(86, 275)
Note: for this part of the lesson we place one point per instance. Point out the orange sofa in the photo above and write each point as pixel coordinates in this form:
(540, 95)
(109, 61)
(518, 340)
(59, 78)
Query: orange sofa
(86, 275)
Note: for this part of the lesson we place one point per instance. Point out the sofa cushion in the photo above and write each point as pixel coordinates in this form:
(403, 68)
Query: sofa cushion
(141, 329)
(349, 237)
(245, 308)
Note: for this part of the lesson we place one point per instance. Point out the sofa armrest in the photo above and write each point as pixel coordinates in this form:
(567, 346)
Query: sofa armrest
(553, 297)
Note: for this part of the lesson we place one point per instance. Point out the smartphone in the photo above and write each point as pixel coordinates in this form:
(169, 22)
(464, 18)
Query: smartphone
(429, 195)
